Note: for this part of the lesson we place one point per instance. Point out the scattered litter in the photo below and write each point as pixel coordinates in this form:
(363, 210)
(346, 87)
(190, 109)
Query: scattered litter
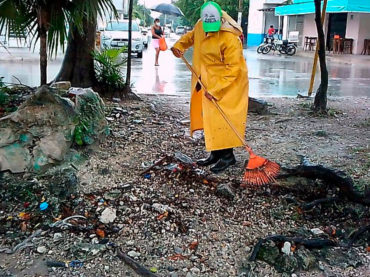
(133, 254)
(108, 215)
(286, 248)
(72, 264)
(183, 158)
(317, 231)
(41, 249)
(44, 206)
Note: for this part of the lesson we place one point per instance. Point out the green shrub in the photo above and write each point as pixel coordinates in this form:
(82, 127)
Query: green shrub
(4, 96)
(108, 65)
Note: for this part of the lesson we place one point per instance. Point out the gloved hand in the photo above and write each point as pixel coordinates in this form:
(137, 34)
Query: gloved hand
(177, 52)
(209, 96)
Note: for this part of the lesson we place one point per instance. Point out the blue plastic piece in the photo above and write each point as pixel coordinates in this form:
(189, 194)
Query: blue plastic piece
(76, 264)
(44, 206)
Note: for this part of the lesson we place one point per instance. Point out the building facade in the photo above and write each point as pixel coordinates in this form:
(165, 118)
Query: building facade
(347, 19)
(261, 16)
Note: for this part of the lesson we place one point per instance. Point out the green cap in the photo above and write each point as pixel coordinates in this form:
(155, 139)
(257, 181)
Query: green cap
(211, 14)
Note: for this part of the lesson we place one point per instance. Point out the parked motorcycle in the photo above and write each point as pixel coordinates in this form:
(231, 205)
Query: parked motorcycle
(283, 46)
(265, 42)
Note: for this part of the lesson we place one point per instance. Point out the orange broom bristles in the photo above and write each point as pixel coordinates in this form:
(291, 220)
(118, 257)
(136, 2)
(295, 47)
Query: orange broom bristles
(260, 171)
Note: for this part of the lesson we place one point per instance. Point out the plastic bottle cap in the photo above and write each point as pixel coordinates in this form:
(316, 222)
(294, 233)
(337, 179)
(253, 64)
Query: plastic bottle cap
(44, 206)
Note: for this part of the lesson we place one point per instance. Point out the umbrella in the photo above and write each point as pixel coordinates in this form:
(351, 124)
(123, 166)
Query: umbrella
(167, 9)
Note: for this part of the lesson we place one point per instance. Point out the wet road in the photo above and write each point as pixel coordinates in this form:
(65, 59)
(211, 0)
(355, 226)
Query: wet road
(270, 75)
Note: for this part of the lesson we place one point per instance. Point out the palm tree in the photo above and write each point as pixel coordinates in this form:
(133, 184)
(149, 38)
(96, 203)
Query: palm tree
(78, 64)
(47, 20)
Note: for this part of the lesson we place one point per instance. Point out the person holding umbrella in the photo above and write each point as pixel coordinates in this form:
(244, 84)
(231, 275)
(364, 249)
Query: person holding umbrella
(157, 33)
(218, 60)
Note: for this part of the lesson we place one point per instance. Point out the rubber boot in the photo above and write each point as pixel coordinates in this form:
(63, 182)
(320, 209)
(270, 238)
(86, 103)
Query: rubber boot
(212, 159)
(226, 159)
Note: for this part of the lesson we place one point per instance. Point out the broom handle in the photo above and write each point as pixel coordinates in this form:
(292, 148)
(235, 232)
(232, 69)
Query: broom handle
(217, 105)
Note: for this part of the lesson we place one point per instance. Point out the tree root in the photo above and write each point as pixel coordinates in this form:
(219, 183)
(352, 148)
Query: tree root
(138, 268)
(310, 205)
(332, 177)
(356, 235)
(308, 243)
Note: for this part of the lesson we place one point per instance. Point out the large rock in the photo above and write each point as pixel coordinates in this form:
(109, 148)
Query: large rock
(257, 106)
(91, 117)
(41, 132)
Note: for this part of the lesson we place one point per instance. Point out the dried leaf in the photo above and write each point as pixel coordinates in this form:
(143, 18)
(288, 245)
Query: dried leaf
(293, 248)
(55, 219)
(161, 216)
(177, 257)
(66, 211)
(194, 245)
(24, 216)
(23, 226)
(100, 233)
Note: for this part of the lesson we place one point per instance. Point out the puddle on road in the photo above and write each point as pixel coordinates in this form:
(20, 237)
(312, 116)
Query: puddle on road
(268, 75)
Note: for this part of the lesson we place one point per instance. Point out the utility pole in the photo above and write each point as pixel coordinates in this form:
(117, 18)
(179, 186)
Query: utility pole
(323, 14)
(240, 12)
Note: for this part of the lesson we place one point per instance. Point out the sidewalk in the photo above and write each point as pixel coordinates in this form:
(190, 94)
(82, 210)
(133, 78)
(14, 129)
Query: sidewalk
(24, 54)
(339, 58)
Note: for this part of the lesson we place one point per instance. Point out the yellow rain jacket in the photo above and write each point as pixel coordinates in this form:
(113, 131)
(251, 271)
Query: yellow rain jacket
(218, 59)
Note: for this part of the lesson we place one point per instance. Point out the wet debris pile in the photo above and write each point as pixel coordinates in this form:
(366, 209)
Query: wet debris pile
(34, 202)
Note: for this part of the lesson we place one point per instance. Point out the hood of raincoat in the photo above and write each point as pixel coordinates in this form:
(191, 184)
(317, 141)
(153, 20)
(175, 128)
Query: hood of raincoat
(230, 25)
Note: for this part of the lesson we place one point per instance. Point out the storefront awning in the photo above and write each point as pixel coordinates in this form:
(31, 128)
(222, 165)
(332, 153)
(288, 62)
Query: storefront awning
(334, 6)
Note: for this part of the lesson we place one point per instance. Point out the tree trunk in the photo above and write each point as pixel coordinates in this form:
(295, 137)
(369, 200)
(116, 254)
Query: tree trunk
(42, 30)
(78, 64)
(321, 94)
(128, 73)
(43, 57)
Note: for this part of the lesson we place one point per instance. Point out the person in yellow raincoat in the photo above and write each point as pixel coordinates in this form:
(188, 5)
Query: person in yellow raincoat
(218, 60)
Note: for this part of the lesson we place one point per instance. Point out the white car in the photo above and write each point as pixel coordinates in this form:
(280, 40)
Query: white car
(145, 34)
(115, 35)
(167, 31)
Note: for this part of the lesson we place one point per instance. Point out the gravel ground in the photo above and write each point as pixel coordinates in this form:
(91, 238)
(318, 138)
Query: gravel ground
(173, 219)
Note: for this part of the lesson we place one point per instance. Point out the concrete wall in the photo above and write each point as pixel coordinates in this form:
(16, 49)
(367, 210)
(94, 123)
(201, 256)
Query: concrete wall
(270, 19)
(353, 27)
(358, 29)
(309, 27)
(364, 32)
(255, 23)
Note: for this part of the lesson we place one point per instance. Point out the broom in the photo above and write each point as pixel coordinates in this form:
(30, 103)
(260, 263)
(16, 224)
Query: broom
(259, 171)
